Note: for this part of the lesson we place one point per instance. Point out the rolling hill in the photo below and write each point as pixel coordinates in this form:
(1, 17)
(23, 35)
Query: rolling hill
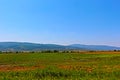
(24, 46)
(95, 47)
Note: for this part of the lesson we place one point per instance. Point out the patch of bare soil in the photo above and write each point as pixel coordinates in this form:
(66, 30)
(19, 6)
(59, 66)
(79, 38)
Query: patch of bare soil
(18, 68)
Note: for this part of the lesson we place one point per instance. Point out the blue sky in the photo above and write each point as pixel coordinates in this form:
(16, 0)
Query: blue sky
(60, 21)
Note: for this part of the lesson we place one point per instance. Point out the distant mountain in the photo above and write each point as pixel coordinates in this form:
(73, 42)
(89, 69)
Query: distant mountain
(95, 47)
(24, 46)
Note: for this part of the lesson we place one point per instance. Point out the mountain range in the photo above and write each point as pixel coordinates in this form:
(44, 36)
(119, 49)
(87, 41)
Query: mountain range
(25, 46)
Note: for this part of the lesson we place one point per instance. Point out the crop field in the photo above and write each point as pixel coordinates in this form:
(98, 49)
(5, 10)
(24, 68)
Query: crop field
(60, 66)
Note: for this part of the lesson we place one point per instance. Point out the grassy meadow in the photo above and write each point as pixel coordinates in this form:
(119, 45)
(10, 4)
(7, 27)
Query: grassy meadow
(60, 66)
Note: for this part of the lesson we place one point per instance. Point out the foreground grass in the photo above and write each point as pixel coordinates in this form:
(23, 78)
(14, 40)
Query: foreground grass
(59, 75)
(60, 66)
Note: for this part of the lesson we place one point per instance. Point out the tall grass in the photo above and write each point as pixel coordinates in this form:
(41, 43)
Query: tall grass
(60, 66)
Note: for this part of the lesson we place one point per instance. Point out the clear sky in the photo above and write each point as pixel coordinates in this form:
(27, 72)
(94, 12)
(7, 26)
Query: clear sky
(60, 21)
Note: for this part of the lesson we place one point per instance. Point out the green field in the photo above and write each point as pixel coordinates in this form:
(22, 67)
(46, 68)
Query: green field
(60, 66)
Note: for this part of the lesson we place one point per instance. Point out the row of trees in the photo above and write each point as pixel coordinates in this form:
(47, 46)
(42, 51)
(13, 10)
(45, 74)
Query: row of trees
(44, 51)
(52, 51)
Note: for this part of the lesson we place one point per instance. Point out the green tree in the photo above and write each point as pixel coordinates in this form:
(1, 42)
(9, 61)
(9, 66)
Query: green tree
(0, 52)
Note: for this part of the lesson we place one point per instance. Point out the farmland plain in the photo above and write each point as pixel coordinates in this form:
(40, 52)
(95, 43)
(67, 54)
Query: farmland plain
(98, 65)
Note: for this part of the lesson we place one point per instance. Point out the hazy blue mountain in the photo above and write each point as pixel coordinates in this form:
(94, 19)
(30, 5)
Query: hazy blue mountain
(24, 46)
(20, 46)
(95, 47)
